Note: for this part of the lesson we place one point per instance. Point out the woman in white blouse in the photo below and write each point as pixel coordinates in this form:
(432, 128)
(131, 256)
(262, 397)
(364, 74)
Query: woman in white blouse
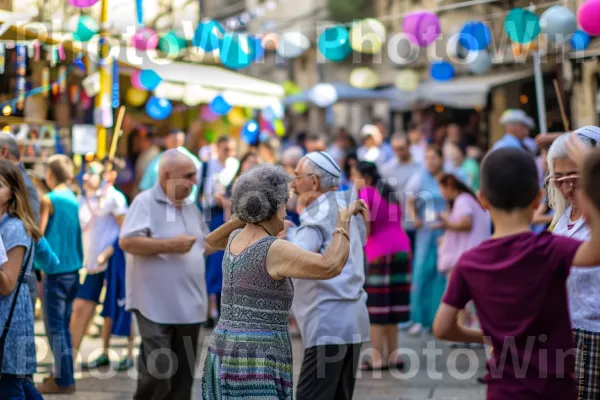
(583, 285)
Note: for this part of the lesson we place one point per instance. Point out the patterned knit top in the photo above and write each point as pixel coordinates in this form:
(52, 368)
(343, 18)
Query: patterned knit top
(251, 299)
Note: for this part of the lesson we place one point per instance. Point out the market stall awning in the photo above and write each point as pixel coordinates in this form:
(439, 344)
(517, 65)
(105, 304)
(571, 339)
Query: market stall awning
(463, 92)
(345, 92)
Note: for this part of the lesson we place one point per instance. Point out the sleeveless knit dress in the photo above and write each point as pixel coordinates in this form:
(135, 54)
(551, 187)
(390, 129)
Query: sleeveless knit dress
(250, 352)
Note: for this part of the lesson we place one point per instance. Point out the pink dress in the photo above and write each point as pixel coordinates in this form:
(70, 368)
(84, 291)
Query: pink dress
(386, 236)
(454, 244)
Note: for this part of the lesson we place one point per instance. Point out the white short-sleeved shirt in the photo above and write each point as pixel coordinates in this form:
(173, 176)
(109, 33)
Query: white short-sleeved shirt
(166, 288)
(97, 216)
(3, 256)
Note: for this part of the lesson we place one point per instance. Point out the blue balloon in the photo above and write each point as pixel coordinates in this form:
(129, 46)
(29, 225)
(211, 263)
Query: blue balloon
(158, 108)
(475, 35)
(219, 105)
(208, 35)
(149, 79)
(257, 48)
(442, 71)
(334, 43)
(580, 40)
(250, 132)
(237, 51)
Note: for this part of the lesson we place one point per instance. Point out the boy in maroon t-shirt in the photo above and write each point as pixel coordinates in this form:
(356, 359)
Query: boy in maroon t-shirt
(517, 283)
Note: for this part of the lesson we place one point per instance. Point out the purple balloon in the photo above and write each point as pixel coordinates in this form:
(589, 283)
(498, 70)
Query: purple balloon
(421, 27)
(135, 80)
(208, 115)
(82, 3)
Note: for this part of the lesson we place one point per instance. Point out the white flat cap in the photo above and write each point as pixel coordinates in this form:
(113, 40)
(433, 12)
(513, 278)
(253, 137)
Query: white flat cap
(592, 132)
(369, 130)
(325, 162)
(514, 116)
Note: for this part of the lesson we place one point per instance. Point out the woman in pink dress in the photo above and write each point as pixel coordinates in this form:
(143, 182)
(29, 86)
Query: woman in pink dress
(389, 265)
(466, 226)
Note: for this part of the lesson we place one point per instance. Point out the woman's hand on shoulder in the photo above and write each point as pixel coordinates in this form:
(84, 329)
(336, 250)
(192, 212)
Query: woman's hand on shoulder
(355, 208)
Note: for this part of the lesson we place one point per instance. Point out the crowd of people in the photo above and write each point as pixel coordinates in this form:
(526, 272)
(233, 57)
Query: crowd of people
(344, 243)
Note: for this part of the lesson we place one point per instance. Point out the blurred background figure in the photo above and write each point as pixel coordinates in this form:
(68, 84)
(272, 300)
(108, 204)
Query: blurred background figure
(174, 139)
(316, 142)
(418, 143)
(342, 144)
(372, 147)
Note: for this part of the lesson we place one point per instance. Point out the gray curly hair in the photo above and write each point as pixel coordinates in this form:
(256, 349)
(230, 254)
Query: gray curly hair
(258, 194)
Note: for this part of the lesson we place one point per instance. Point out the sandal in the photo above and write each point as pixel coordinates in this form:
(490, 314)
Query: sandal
(399, 365)
(367, 366)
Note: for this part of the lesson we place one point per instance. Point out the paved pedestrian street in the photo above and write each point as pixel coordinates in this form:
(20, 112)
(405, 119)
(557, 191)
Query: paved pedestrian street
(449, 375)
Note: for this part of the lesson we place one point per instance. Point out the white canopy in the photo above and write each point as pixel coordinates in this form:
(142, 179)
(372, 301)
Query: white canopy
(463, 92)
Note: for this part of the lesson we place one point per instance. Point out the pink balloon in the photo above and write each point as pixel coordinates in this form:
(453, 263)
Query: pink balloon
(82, 3)
(144, 39)
(421, 27)
(135, 80)
(589, 17)
(208, 115)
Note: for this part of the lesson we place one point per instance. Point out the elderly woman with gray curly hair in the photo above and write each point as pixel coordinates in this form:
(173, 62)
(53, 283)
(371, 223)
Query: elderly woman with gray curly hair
(250, 353)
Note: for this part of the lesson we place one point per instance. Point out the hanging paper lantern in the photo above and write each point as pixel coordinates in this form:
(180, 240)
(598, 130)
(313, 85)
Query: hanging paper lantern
(589, 17)
(558, 22)
(522, 26)
(258, 51)
(334, 43)
(136, 97)
(135, 79)
(279, 127)
(210, 135)
(292, 45)
(580, 40)
(207, 115)
(270, 41)
(219, 105)
(364, 78)
(236, 117)
(82, 3)
(407, 80)
(236, 51)
(158, 109)
(475, 35)
(290, 88)
(442, 71)
(149, 79)
(208, 35)
(367, 36)
(171, 44)
(250, 132)
(86, 29)
(323, 95)
(422, 27)
(481, 62)
(144, 39)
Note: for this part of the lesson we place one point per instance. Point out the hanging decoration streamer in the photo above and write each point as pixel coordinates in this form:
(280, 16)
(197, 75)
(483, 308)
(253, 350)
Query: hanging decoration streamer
(139, 11)
(36, 46)
(61, 52)
(31, 50)
(21, 69)
(2, 57)
(62, 85)
(45, 80)
(115, 85)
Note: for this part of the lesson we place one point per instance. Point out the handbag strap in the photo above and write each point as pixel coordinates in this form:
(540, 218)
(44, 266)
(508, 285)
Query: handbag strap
(20, 281)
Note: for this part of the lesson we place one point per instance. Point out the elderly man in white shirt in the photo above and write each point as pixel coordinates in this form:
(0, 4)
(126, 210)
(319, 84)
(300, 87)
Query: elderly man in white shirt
(163, 236)
(332, 314)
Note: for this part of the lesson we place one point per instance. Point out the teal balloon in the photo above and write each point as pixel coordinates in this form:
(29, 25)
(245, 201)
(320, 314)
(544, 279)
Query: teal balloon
(86, 29)
(219, 106)
(171, 44)
(149, 79)
(208, 35)
(522, 26)
(237, 51)
(334, 43)
(158, 109)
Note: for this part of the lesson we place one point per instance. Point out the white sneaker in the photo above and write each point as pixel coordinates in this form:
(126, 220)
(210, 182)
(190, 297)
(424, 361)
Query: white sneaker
(415, 330)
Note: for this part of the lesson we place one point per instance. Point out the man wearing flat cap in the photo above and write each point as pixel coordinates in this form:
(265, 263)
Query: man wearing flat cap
(517, 125)
(332, 314)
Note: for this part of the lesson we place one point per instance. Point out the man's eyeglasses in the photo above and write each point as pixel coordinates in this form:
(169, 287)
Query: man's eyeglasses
(296, 177)
(569, 181)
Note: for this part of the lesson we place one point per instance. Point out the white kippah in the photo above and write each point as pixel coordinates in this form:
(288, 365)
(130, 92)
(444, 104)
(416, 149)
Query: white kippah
(325, 162)
(592, 132)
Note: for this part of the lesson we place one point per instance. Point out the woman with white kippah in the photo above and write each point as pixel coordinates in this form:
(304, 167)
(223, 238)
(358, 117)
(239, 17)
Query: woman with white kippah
(583, 285)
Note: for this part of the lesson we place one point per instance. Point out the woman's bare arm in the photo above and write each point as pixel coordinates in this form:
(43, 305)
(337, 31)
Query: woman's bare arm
(46, 209)
(9, 273)
(218, 238)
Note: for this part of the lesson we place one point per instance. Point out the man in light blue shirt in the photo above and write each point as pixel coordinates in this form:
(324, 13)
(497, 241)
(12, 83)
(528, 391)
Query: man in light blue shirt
(517, 125)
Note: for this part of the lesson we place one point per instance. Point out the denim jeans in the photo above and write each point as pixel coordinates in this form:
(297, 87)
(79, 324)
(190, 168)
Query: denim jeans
(13, 387)
(60, 291)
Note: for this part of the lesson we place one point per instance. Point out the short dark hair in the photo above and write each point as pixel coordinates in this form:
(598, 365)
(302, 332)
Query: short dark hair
(313, 137)
(509, 179)
(590, 176)
(222, 139)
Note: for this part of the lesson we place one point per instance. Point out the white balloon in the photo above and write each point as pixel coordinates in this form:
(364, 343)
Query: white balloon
(481, 62)
(407, 80)
(323, 95)
(367, 36)
(558, 22)
(364, 78)
(292, 45)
